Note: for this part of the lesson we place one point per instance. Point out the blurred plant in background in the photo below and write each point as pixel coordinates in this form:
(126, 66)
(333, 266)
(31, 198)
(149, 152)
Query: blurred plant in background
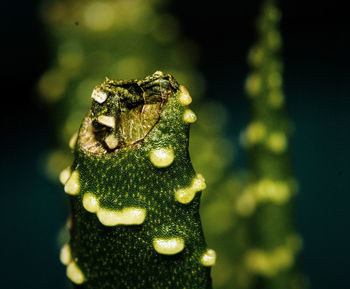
(267, 200)
(247, 214)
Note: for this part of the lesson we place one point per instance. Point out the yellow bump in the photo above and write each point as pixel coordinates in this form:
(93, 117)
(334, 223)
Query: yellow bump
(90, 203)
(276, 191)
(127, 216)
(276, 98)
(73, 140)
(255, 132)
(162, 157)
(282, 258)
(75, 274)
(107, 120)
(64, 175)
(99, 96)
(258, 261)
(208, 258)
(198, 183)
(111, 141)
(269, 263)
(168, 246)
(253, 84)
(246, 203)
(72, 186)
(189, 116)
(277, 142)
(186, 195)
(184, 96)
(65, 255)
(255, 55)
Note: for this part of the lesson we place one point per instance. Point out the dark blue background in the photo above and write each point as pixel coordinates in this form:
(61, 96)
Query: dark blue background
(317, 86)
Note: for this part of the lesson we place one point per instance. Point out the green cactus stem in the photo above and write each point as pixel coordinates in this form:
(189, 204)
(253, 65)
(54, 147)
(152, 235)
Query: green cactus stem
(134, 194)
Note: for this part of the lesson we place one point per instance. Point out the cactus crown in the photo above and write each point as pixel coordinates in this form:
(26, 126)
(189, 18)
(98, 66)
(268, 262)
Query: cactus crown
(124, 112)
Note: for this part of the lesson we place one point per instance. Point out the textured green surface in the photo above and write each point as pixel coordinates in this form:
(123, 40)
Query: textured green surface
(123, 256)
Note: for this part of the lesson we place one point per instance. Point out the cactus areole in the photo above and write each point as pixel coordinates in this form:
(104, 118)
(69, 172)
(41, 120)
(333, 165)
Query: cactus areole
(134, 193)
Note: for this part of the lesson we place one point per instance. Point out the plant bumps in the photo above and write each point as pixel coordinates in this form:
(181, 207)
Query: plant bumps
(134, 193)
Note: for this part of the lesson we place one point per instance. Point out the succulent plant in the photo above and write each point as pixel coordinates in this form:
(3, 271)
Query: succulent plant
(133, 191)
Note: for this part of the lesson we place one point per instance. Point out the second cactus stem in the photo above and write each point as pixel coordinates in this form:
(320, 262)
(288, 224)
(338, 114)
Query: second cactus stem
(267, 200)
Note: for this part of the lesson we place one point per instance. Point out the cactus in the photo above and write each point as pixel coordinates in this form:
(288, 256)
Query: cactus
(267, 199)
(78, 45)
(134, 193)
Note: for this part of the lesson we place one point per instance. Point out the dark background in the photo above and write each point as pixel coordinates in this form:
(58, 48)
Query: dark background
(316, 55)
